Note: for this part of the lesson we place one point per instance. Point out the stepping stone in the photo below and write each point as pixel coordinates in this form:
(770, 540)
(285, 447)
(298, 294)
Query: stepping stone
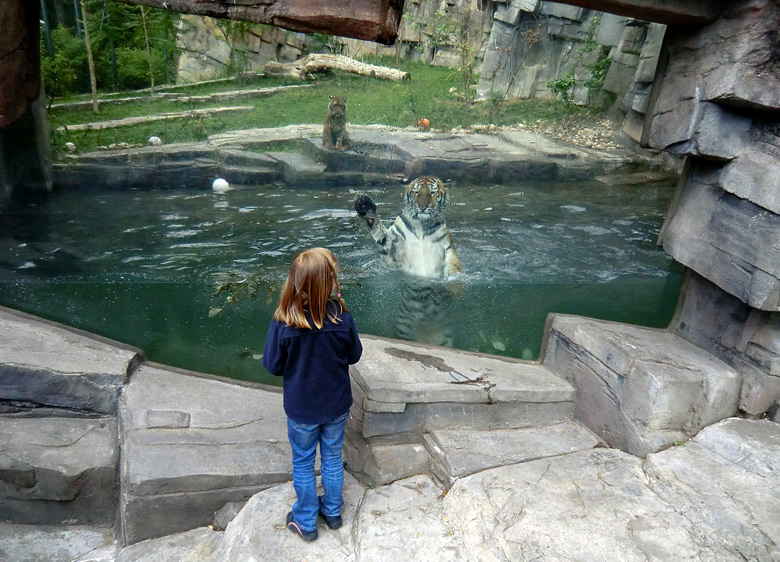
(456, 453)
(403, 388)
(192, 444)
(58, 470)
(299, 168)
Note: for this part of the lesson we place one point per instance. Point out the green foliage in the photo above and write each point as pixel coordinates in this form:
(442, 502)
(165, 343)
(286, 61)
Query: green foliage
(563, 87)
(59, 74)
(117, 37)
(133, 67)
(598, 72)
(68, 71)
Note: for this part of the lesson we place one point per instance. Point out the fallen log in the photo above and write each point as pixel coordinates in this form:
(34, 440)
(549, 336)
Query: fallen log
(128, 121)
(305, 67)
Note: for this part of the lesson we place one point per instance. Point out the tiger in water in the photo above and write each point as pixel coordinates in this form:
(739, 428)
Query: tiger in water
(418, 242)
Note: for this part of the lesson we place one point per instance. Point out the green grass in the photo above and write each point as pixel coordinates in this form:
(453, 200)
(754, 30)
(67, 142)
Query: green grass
(369, 101)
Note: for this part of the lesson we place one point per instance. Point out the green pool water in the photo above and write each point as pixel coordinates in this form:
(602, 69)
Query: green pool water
(143, 266)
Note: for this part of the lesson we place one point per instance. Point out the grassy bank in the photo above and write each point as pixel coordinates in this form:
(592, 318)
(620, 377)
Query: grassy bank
(369, 101)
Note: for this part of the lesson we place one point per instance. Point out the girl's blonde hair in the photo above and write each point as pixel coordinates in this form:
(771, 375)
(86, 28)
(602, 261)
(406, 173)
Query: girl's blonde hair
(312, 279)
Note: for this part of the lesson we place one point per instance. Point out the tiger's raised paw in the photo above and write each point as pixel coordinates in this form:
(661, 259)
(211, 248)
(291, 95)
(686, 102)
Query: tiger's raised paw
(365, 208)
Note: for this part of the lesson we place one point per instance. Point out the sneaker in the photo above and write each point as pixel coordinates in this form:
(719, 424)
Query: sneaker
(332, 521)
(293, 526)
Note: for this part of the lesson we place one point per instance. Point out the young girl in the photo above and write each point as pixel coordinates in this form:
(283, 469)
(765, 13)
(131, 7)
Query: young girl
(311, 343)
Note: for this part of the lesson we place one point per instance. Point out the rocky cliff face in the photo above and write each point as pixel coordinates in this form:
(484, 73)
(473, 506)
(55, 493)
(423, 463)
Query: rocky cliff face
(717, 103)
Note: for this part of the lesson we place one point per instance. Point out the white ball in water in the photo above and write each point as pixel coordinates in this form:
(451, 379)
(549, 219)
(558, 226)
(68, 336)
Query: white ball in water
(220, 185)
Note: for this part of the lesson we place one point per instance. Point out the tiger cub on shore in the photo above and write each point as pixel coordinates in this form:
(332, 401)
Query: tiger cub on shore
(418, 242)
(334, 130)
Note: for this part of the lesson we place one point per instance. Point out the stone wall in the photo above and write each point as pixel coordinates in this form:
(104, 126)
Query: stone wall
(716, 103)
(205, 54)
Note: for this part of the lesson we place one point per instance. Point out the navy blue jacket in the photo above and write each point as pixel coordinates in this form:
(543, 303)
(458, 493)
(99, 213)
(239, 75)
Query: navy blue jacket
(314, 364)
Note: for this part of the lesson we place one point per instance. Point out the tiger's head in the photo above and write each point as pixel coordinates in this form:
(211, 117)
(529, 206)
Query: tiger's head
(337, 107)
(426, 198)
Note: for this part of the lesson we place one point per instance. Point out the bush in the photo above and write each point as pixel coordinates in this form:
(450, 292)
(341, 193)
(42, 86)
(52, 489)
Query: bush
(67, 73)
(133, 68)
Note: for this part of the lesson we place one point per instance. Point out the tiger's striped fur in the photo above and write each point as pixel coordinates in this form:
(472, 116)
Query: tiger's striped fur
(418, 242)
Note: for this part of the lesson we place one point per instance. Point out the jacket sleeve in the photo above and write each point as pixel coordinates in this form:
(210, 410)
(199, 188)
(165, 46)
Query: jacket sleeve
(356, 349)
(274, 353)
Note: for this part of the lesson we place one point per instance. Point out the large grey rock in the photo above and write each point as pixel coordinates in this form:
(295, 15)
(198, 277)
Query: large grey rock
(743, 87)
(456, 453)
(725, 480)
(639, 389)
(58, 470)
(713, 132)
(585, 506)
(754, 174)
(729, 240)
(404, 519)
(47, 543)
(727, 61)
(403, 390)
(509, 12)
(48, 364)
(192, 444)
(259, 533)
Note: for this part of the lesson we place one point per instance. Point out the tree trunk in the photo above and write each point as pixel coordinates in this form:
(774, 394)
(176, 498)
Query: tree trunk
(90, 59)
(145, 11)
(303, 68)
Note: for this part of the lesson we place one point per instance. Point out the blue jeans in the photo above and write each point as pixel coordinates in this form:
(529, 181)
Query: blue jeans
(303, 440)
